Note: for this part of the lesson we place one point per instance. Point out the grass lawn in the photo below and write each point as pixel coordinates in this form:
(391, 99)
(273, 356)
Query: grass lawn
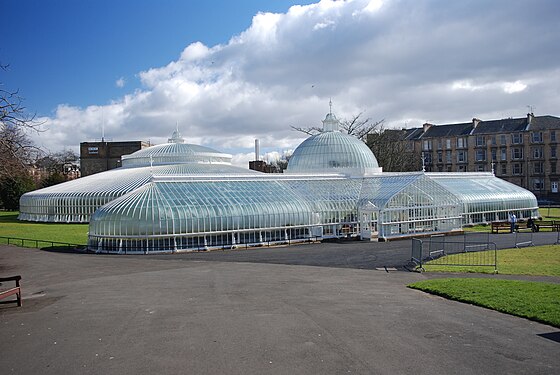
(532, 300)
(535, 260)
(549, 213)
(10, 226)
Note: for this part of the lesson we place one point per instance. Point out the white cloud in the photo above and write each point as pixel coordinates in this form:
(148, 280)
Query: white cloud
(513, 87)
(392, 60)
(120, 82)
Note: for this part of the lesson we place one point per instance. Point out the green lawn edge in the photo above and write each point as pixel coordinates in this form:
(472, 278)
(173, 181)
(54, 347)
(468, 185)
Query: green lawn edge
(10, 226)
(536, 301)
(532, 261)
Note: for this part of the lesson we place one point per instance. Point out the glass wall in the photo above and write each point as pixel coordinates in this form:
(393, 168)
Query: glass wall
(485, 198)
(75, 201)
(178, 214)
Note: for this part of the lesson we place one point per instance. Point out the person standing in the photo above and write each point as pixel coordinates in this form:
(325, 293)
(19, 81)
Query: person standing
(513, 221)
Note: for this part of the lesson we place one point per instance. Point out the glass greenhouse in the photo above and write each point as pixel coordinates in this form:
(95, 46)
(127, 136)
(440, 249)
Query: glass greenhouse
(75, 201)
(180, 197)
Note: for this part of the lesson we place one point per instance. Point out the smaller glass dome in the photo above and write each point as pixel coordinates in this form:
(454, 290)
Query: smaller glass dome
(175, 152)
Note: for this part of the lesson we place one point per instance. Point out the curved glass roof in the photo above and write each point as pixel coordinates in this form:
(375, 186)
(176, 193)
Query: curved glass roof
(76, 200)
(483, 193)
(187, 207)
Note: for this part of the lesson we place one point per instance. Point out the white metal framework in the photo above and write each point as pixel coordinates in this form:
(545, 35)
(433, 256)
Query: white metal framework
(181, 197)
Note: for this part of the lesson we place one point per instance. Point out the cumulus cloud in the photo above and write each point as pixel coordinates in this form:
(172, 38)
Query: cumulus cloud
(120, 82)
(403, 61)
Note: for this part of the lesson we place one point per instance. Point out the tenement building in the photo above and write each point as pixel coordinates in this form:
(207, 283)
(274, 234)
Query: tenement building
(523, 151)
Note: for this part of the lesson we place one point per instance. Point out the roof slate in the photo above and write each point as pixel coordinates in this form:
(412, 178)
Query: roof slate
(508, 125)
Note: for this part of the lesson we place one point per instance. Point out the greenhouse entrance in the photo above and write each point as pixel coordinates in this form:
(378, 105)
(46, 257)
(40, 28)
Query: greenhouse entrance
(368, 214)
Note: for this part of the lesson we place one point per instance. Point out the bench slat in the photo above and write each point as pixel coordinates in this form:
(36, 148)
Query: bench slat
(11, 291)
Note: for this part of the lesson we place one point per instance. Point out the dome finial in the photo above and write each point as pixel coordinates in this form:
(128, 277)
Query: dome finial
(176, 136)
(330, 123)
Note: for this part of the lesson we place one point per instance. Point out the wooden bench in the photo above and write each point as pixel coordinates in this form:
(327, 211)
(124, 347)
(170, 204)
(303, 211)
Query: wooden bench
(553, 225)
(498, 226)
(11, 291)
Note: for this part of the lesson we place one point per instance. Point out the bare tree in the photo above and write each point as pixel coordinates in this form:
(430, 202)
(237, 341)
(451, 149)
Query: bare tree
(357, 126)
(393, 152)
(17, 151)
(57, 162)
(16, 148)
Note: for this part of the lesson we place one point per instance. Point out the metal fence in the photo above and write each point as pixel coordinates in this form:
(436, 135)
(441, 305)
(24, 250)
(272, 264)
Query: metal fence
(442, 251)
(29, 242)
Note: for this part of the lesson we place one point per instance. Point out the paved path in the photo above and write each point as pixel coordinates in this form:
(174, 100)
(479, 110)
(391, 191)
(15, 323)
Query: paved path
(212, 314)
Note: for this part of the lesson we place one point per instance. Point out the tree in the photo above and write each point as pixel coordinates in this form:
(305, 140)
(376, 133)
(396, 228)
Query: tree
(57, 162)
(392, 151)
(12, 188)
(17, 151)
(356, 126)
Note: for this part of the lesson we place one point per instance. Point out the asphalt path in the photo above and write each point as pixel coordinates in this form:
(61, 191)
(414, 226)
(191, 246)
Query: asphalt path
(310, 309)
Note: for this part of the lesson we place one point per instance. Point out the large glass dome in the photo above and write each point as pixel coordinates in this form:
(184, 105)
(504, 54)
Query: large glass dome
(333, 152)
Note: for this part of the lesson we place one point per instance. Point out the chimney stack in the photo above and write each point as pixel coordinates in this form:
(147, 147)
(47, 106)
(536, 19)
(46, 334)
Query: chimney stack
(530, 118)
(426, 126)
(475, 122)
(257, 150)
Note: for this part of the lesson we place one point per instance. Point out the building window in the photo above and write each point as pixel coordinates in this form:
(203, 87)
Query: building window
(503, 153)
(461, 168)
(93, 150)
(461, 142)
(440, 157)
(553, 167)
(537, 152)
(427, 145)
(480, 140)
(517, 138)
(517, 168)
(538, 184)
(448, 144)
(439, 144)
(494, 143)
(481, 167)
(481, 155)
(554, 186)
(448, 157)
(428, 158)
(448, 168)
(494, 154)
(503, 139)
(553, 136)
(538, 167)
(536, 137)
(461, 157)
(504, 169)
(517, 153)
(553, 152)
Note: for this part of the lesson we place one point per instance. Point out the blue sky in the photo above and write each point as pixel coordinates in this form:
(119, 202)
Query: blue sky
(73, 51)
(231, 71)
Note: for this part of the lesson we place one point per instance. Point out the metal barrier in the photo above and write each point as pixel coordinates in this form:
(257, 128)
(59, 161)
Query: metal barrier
(523, 238)
(437, 251)
(476, 241)
(23, 241)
